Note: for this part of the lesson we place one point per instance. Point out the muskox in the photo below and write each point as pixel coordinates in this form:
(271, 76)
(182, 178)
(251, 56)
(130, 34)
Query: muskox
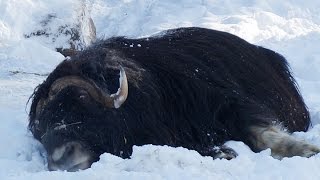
(190, 87)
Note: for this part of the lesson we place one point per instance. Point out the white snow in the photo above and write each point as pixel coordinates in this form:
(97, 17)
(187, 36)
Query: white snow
(290, 27)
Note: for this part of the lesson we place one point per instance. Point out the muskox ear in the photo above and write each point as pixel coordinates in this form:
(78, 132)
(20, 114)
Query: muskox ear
(121, 95)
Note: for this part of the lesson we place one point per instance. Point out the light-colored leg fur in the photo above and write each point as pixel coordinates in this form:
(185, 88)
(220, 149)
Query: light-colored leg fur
(280, 142)
(223, 152)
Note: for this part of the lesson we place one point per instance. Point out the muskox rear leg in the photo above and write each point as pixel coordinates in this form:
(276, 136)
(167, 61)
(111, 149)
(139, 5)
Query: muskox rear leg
(280, 142)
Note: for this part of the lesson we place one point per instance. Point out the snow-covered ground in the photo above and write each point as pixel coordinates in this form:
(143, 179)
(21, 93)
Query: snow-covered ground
(291, 27)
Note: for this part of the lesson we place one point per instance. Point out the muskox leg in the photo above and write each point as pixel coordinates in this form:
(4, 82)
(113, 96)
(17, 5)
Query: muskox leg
(220, 152)
(224, 152)
(280, 142)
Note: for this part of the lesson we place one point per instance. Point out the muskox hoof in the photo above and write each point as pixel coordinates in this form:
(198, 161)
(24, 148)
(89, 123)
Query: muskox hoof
(224, 152)
(310, 150)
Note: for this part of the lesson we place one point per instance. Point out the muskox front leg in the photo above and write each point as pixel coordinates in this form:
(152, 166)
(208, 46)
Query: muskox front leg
(280, 142)
(224, 152)
(220, 152)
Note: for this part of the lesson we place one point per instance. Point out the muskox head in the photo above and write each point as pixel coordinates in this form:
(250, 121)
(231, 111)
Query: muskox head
(70, 120)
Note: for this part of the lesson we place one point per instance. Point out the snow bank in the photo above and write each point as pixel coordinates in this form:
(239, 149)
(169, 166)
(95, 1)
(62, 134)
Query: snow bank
(289, 27)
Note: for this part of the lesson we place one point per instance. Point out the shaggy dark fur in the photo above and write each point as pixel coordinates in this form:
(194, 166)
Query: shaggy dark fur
(189, 87)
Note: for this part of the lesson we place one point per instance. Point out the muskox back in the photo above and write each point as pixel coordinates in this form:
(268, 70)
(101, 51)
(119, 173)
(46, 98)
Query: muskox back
(197, 59)
(189, 87)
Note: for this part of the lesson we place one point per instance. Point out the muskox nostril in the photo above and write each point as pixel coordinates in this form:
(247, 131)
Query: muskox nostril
(69, 150)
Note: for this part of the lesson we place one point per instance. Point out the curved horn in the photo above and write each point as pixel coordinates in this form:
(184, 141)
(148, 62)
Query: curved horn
(121, 95)
(112, 101)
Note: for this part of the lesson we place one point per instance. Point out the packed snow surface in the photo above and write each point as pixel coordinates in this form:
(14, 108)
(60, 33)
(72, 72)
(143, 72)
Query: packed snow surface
(290, 27)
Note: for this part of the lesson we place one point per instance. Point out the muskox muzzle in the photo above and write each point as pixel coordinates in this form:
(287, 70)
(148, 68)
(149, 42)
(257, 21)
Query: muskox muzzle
(70, 156)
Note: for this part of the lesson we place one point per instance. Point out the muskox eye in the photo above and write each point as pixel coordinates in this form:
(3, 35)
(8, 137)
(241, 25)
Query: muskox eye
(83, 95)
